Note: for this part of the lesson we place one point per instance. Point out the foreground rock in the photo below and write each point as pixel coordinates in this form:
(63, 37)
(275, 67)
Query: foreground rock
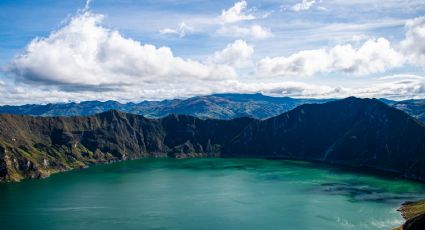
(357, 132)
(414, 214)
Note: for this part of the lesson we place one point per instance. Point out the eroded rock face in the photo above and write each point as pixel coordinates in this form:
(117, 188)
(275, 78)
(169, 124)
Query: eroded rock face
(3, 168)
(357, 132)
(414, 214)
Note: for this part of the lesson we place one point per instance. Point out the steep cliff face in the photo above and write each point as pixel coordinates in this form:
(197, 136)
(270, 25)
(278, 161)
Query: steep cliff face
(33, 147)
(357, 132)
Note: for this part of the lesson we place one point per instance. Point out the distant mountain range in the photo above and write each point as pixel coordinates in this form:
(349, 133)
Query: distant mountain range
(415, 108)
(218, 106)
(357, 132)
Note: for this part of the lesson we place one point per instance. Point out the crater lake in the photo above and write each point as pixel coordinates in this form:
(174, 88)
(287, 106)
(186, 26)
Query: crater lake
(207, 193)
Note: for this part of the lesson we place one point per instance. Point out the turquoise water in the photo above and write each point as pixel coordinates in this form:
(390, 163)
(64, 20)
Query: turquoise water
(206, 194)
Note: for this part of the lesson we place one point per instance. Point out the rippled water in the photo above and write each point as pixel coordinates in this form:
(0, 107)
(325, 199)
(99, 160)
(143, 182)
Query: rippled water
(206, 194)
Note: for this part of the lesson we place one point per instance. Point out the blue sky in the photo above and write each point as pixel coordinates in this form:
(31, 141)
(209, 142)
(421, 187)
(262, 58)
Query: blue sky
(128, 50)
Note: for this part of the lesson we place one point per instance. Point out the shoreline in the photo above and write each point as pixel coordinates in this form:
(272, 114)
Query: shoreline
(414, 215)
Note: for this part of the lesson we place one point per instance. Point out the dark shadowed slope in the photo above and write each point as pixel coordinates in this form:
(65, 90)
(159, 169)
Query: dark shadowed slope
(356, 132)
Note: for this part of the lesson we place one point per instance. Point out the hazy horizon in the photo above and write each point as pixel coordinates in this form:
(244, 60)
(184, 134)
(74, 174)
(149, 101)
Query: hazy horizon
(195, 96)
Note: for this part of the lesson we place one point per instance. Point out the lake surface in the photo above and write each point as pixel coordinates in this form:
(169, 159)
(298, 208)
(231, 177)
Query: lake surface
(206, 194)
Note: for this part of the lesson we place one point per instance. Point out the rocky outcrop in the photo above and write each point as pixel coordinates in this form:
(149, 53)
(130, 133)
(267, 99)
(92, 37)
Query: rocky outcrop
(357, 132)
(414, 214)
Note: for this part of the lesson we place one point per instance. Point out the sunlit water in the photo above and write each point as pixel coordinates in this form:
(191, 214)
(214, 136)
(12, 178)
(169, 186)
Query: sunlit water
(206, 194)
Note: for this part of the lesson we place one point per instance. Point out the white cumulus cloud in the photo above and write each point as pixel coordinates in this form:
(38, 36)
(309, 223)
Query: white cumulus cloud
(253, 31)
(414, 43)
(374, 56)
(237, 12)
(304, 5)
(234, 54)
(83, 54)
(181, 30)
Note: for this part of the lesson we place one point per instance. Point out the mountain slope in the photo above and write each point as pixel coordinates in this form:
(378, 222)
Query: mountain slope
(32, 147)
(357, 132)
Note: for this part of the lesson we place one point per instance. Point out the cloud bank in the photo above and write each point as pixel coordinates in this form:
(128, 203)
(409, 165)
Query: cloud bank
(83, 55)
(374, 56)
(84, 60)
